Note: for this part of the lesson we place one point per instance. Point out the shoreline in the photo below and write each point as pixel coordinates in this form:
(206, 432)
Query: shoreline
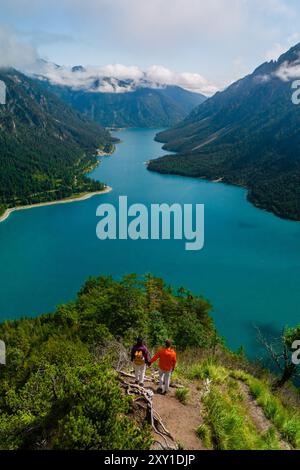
(223, 180)
(83, 197)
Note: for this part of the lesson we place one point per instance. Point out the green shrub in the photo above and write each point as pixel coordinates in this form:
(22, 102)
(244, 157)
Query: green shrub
(182, 394)
(285, 419)
(207, 370)
(59, 389)
(231, 427)
(204, 433)
(72, 408)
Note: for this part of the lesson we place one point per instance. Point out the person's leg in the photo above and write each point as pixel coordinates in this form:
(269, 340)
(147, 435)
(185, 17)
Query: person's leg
(161, 380)
(167, 381)
(136, 373)
(142, 374)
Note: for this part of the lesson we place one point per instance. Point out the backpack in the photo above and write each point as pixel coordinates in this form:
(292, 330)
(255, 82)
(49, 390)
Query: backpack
(139, 358)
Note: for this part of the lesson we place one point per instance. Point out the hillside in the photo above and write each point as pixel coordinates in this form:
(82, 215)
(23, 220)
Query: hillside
(130, 105)
(246, 135)
(67, 383)
(45, 146)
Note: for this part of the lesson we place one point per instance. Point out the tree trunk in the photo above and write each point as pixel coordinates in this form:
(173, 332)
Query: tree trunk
(288, 373)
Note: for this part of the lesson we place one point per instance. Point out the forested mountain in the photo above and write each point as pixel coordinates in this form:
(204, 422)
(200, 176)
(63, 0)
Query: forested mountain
(128, 104)
(45, 146)
(247, 135)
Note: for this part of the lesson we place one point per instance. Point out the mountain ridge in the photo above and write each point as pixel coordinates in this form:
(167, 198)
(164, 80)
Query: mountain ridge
(246, 135)
(127, 102)
(45, 146)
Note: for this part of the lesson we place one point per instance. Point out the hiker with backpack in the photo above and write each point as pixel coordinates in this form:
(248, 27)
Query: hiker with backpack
(167, 363)
(141, 358)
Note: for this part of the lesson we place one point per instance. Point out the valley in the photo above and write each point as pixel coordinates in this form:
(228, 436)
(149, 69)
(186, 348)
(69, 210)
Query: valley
(116, 103)
(249, 267)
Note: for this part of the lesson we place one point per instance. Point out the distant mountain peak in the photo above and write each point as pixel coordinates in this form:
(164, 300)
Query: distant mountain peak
(117, 78)
(278, 68)
(78, 68)
(292, 55)
(122, 102)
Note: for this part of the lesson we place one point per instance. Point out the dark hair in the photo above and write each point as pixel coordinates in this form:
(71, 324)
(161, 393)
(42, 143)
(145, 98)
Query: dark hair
(139, 341)
(168, 343)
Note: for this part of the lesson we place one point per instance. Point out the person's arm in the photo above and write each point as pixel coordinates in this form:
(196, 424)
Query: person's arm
(174, 360)
(147, 356)
(154, 358)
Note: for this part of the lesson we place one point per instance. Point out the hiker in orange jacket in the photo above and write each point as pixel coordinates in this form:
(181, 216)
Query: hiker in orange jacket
(167, 363)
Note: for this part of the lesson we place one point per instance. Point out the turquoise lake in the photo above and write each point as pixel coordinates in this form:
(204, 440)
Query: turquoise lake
(249, 268)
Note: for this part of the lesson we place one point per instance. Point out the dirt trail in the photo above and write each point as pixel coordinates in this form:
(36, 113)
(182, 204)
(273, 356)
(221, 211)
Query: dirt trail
(180, 420)
(256, 413)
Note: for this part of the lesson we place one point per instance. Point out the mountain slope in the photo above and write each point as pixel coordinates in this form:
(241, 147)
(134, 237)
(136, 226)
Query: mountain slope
(142, 106)
(45, 146)
(247, 135)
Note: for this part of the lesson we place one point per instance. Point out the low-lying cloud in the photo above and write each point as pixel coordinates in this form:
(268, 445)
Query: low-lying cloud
(118, 78)
(289, 71)
(190, 81)
(15, 53)
(22, 55)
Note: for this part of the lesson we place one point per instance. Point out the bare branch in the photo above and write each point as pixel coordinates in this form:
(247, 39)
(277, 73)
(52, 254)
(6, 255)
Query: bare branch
(269, 348)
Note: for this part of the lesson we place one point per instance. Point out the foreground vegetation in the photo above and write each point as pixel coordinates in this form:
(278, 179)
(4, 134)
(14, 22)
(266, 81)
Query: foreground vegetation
(60, 388)
(241, 410)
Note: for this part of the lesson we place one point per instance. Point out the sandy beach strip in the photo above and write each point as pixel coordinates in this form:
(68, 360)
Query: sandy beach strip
(85, 196)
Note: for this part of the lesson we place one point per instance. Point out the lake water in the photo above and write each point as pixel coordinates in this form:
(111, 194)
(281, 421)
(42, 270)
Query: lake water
(249, 268)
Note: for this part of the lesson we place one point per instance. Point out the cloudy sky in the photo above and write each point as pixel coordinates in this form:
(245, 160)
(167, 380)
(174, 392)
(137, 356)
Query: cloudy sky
(202, 44)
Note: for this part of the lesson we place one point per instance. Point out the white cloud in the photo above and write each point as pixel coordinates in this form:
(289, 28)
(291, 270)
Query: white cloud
(13, 52)
(184, 19)
(190, 81)
(289, 71)
(17, 53)
(119, 71)
(95, 78)
(140, 23)
(204, 36)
